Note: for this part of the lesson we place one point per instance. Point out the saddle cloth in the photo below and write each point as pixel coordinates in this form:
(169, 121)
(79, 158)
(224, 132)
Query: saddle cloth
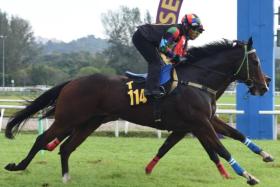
(136, 84)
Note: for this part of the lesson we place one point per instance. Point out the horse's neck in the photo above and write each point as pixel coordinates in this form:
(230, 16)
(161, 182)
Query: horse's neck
(221, 91)
(214, 72)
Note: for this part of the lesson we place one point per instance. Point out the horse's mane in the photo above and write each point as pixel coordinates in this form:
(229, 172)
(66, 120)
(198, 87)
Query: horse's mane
(210, 49)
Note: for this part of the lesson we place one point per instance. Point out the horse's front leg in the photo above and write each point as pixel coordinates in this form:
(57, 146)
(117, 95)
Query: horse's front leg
(208, 138)
(171, 140)
(214, 157)
(223, 128)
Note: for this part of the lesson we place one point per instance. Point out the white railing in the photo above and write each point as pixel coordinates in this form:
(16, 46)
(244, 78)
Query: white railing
(14, 100)
(229, 112)
(24, 101)
(275, 113)
(3, 107)
(277, 93)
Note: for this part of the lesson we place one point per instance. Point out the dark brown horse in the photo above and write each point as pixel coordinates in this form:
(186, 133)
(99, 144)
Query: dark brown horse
(220, 127)
(82, 105)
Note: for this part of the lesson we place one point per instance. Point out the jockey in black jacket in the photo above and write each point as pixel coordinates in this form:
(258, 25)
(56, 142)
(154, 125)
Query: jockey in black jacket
(151, 40)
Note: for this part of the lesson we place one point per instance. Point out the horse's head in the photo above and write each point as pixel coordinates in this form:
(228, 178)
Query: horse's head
(249, 71)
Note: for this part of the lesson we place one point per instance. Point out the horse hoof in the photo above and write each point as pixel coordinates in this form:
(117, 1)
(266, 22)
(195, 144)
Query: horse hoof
(226, 176)
(268, 159)
(250, 178)
(11, 167)
(148, 171)
(266, 156)
(253, 182)
(66, 177)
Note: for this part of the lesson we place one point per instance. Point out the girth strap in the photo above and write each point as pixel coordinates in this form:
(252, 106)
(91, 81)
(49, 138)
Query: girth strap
(188, 83)
(200, 86)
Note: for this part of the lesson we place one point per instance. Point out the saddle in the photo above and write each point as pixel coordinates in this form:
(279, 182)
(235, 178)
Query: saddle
(168, 78)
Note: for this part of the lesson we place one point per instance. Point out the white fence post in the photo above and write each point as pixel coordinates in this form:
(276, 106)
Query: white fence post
(126, 127)
(117, 129)
(1, 118)
(230, 120)
(159, 133)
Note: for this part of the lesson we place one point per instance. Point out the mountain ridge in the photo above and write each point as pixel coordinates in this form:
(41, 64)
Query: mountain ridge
(89, 44)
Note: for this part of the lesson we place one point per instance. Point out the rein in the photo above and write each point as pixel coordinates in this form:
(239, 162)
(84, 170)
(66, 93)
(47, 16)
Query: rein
(208, 69)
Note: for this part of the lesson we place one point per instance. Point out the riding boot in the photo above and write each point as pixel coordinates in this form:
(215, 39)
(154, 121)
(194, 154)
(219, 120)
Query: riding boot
(152, 87)
(153, 90)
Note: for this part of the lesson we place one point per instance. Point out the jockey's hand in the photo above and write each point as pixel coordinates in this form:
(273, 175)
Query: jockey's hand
(179, 59)
(183, 59)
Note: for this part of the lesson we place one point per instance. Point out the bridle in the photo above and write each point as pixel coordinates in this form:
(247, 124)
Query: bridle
(245, 61)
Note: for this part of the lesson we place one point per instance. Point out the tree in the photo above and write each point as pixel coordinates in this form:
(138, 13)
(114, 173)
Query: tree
(20, 48)
(89, 70)
(119, 27)
(41, 74)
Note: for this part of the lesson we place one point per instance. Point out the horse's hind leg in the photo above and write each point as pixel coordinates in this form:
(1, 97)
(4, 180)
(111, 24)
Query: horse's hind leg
(78, 135)
(223, 128)
(171, 140)
(40, 143)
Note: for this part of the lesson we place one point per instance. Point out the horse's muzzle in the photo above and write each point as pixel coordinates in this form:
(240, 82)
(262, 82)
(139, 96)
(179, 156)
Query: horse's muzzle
(258, 91)
(263, 90)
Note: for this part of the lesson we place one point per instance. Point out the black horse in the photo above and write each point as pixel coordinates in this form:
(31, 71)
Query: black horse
(80, 106)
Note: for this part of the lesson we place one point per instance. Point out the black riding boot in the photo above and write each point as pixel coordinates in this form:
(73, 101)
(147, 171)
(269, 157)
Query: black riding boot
(152, 87)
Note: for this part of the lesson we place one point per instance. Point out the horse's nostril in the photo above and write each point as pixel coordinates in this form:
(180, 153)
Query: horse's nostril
(264, 90)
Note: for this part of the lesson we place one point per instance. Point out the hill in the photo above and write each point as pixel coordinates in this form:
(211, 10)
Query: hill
(88, 44)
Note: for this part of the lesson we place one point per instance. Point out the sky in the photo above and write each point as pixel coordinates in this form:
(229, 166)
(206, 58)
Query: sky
(68, 20)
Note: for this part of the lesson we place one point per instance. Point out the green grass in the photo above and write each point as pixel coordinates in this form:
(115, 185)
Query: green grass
(227, 99)
(110, 162)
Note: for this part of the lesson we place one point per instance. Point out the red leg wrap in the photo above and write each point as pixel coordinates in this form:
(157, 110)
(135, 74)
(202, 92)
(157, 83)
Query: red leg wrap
(53, 144)
(150, 166)
(222, 170)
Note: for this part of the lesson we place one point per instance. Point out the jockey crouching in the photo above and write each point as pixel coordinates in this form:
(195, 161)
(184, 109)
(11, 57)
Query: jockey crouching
(151, 40)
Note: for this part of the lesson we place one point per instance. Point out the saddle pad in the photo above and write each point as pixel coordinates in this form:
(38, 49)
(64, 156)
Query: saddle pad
(165, 75)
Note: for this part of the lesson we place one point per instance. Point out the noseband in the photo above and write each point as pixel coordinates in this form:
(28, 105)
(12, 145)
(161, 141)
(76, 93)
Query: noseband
(245, 61)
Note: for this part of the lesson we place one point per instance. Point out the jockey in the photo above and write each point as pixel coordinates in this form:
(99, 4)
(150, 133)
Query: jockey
(151, 40)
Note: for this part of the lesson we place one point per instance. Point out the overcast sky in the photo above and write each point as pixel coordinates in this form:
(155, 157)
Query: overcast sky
(67, 20)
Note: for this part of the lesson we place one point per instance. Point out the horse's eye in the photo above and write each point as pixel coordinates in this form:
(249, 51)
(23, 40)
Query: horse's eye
(255, 62)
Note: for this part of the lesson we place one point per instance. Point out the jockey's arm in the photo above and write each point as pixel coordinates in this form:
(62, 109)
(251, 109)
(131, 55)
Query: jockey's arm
(168, 43)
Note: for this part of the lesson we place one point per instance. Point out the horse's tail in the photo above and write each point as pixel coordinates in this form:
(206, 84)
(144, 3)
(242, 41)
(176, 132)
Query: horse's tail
(45, 100)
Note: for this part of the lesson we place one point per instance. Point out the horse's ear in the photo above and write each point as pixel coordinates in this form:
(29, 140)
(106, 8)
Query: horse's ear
(250, 42)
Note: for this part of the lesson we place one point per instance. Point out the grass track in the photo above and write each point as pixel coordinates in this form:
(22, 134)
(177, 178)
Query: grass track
(111, 162)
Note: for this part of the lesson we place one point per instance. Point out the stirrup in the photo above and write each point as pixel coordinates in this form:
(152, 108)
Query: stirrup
(161, 93)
